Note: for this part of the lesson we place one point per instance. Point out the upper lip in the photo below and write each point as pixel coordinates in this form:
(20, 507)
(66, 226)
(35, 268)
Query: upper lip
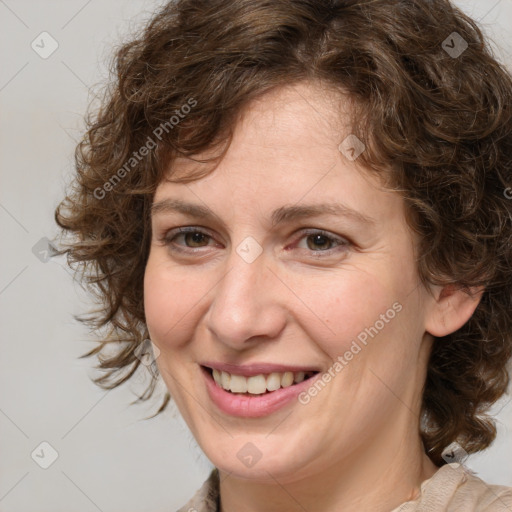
(248, 370)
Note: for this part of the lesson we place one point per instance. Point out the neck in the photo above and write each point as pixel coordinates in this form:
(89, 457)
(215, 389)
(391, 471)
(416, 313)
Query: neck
(380, 479)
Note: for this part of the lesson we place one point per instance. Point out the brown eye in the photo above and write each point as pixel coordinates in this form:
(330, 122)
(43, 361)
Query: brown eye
(193, 238)
(318, 242)
(322, 242)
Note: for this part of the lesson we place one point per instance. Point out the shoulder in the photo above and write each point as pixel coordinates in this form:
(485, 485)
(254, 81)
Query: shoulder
(455, 488)
(206, 499)
(487, 497)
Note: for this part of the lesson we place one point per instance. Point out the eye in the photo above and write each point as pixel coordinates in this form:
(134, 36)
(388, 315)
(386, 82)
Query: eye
(189, 239)
(194, 238)
(321, 241)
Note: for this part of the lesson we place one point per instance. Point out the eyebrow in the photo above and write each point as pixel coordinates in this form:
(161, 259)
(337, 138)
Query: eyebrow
(280, 215)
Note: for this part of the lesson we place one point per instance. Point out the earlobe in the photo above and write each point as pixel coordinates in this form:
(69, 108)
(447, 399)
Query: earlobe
(451, 307)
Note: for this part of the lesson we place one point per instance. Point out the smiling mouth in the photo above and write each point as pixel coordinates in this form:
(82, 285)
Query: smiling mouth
(257, 384)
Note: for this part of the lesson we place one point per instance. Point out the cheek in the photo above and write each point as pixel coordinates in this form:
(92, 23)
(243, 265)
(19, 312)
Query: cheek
(344, 306)
(169, 304)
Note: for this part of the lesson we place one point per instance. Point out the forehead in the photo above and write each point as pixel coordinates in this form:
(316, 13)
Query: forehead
(296, 118)
(276, 120)
(285, 146)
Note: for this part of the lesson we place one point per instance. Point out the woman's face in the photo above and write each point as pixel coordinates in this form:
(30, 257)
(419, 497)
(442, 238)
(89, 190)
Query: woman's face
(269, 280)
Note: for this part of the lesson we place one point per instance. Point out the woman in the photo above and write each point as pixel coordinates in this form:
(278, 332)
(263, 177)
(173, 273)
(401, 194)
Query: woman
(303, 205)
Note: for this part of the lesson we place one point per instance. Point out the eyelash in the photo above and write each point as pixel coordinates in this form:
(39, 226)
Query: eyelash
(169, 239)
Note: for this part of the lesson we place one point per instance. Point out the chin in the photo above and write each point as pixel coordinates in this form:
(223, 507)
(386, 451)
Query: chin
(258, 458)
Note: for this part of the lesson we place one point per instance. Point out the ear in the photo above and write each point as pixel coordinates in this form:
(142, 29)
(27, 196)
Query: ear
(451, 307)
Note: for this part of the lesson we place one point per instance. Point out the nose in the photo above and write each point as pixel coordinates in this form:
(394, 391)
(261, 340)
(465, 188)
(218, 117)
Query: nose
(246, 306)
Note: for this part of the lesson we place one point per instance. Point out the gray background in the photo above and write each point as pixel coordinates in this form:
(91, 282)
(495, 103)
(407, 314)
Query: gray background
(109, 458)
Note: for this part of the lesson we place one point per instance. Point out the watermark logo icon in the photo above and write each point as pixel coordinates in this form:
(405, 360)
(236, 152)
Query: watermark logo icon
(352, 147)
(249, 249)
(249, 455)
(44, 45)
(44, 455)
(147, 352)
(454, 45)
(454, 453)
(43, 250)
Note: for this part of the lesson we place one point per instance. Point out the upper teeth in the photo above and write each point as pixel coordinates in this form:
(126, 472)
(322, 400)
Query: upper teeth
(257, 384)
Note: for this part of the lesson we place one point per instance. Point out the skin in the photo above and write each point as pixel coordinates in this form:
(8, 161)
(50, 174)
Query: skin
(354, 446)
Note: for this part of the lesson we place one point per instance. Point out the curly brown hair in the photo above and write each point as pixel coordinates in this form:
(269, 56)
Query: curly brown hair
(433, 105)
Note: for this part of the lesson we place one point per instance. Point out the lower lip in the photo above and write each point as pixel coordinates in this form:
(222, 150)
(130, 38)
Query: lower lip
(253, 406)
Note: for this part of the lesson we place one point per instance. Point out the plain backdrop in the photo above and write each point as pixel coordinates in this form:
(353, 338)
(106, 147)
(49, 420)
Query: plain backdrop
(108, 457)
